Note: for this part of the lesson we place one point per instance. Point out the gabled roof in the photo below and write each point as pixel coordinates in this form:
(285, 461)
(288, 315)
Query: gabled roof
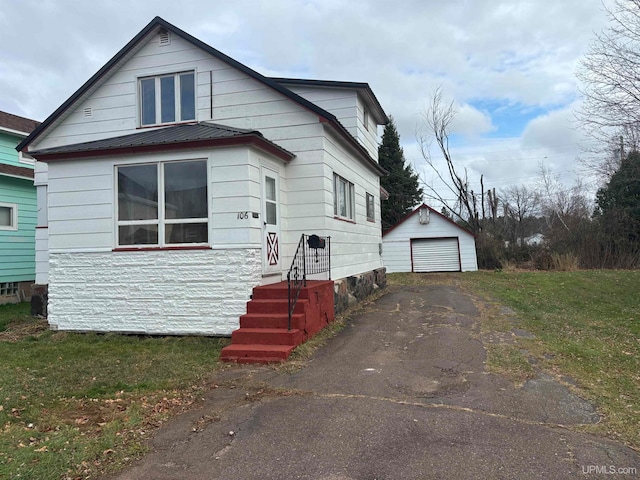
(15, 124)
(194, 135)
(362, 87)
(135, 44)
(15, 171)
(424, 205)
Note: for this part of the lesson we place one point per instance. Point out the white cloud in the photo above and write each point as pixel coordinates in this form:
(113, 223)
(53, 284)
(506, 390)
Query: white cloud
(471, 122)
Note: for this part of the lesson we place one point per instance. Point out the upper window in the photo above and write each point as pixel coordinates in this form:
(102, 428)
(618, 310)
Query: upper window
(8, 216)
(162, 204)
(343, 198)
(167, 99)
(371, 208)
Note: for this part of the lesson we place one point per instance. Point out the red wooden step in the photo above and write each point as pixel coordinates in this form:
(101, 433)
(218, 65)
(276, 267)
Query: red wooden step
(256, 353)
(267, 336)
(272, 320)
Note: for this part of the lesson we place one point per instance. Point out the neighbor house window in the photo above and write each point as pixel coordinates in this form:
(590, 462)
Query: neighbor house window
(371, 208)
(9, 288)
(343, 200)
(163, 204)
(167, 98)
(8, 216)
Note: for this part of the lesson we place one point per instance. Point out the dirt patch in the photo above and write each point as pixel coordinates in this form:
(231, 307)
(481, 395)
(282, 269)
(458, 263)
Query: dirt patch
(18, 331)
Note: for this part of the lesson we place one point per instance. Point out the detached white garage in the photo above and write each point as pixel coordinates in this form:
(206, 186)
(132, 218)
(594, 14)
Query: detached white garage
(427, 241)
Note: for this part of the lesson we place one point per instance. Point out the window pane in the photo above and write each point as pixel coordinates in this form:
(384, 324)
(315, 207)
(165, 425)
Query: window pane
(148, 93)
(187, 97)
(370, 207)
(185, 190)
(138, 235)
(186, 233)
(342, 198)
(270, 188)
(5, 216)
(271, 213)
(138, 192)
(335, 195)
(351, 201)
(167, 99)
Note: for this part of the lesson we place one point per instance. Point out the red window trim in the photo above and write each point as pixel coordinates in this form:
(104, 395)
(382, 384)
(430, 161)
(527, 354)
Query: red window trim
(342, 219)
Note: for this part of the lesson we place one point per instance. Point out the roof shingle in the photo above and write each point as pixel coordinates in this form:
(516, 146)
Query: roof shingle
(14, 171)
(14, 122)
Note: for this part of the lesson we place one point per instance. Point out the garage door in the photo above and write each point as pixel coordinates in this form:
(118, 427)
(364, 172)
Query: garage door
(435, 255)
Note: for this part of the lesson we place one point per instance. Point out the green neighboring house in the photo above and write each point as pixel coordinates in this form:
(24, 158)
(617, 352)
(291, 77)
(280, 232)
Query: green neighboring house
(18, 211)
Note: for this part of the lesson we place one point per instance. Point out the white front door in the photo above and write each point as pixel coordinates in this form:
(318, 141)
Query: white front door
(271, 245)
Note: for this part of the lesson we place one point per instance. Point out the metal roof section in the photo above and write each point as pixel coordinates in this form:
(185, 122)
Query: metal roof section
(194, 135)
(135, 44)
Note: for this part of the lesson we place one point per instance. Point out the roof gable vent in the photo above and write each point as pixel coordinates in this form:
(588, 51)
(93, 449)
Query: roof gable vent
(165, 38)
(88, 112)
(424, 216)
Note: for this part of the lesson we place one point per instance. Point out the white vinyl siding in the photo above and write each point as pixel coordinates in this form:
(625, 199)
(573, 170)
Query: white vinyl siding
(348, 108)
(435, 255)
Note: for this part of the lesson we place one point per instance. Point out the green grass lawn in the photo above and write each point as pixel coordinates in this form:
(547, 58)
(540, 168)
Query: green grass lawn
(74, 405)
(587, 326)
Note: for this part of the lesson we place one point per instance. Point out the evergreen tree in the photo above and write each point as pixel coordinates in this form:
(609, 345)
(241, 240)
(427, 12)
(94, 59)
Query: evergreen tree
(618, 207)
(402, 182)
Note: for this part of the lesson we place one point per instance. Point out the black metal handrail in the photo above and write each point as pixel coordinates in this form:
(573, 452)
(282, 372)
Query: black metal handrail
(312, 256)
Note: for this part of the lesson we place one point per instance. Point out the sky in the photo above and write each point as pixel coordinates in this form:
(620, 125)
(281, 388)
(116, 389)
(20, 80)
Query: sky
(509, 66)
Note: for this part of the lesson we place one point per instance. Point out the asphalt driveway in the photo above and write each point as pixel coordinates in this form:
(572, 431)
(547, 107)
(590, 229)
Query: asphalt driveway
(401, 392)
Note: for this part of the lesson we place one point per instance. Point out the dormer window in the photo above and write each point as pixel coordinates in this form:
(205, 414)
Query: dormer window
(167, 99)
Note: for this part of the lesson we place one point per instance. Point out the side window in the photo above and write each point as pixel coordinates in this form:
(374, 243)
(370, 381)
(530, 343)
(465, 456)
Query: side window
(343, 198)
(371, 208)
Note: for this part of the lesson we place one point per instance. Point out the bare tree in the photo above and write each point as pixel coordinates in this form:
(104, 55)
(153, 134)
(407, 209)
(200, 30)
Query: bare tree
(566, 210)
(610, 75)
(438, 118)
(521, 206)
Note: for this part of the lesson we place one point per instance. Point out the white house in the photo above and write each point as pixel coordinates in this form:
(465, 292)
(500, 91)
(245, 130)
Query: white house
(176, 179)
(427, 241)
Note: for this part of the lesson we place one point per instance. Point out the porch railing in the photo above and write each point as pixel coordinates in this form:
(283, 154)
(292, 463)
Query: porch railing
(312, 256)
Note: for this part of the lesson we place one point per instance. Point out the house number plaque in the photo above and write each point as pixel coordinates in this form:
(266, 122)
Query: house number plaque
(243, 215)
